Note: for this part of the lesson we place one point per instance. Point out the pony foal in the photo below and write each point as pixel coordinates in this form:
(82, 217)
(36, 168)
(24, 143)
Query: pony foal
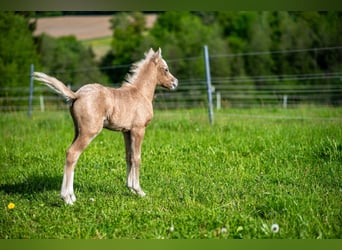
(127, 109)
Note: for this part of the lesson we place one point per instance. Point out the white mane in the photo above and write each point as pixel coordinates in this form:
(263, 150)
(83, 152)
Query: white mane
(136, 67)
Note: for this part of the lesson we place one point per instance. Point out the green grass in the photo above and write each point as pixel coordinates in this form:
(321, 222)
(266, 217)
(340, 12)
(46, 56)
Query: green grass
(252, 169)
(100, 46)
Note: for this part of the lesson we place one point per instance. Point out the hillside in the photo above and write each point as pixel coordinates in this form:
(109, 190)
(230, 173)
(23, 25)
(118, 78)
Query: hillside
(93, 31)
(82, 27)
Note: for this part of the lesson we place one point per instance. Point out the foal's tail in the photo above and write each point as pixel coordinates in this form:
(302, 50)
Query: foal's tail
(56, 85)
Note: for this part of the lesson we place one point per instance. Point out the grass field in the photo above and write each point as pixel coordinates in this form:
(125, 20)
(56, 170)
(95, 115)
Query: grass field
(254, 168)
(100, 46)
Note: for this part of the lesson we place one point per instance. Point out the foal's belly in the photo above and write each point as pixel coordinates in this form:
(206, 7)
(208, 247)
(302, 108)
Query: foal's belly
(128, 118)
(115, 126)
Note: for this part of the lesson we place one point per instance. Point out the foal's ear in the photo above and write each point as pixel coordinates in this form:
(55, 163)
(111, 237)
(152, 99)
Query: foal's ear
(151, 51)
(157, 56)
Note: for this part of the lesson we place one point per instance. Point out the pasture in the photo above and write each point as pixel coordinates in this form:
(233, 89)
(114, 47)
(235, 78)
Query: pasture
(252, 169)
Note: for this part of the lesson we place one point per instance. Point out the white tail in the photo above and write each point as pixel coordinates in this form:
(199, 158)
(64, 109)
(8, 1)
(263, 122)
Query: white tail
(56, 85)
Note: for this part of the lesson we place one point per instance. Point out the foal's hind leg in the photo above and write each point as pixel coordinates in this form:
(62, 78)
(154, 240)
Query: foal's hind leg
(80, 142)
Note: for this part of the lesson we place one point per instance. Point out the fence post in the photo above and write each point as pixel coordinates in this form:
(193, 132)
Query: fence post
(218, 100)
(29, 113)
(42, 104)
(285, 101)
(208, 78)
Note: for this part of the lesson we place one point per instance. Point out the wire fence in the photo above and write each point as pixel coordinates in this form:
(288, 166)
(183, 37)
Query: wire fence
(245, 96)
(290, 90)
(193, 94)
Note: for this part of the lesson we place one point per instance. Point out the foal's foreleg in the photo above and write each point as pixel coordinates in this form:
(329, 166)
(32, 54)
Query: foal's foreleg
(128, 143)
(133, 141)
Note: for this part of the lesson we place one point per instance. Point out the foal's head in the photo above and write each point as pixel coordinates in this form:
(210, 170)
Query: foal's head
(164, 77)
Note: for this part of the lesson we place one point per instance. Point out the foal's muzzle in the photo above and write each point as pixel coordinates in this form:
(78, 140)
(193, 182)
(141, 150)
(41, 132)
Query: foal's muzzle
(174, 84)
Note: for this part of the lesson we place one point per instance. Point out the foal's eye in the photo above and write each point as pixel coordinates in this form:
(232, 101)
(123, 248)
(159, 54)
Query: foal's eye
(166, 70)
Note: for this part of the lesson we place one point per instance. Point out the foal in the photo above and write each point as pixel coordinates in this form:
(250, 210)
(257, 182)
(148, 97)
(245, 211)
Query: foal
(127, 109)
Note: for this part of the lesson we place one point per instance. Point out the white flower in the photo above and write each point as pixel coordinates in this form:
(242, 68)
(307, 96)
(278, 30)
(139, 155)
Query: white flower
(275, 228)
(223, 230)
(172, 228)
(92, 199)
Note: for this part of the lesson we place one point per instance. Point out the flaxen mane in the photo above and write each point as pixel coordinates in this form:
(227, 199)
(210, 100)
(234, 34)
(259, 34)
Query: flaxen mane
(136, 67)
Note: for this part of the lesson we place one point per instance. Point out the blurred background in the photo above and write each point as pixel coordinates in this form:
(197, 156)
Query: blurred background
(257, 58)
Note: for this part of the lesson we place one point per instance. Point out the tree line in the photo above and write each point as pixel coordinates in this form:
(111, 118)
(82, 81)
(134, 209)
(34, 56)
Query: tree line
(232, 37)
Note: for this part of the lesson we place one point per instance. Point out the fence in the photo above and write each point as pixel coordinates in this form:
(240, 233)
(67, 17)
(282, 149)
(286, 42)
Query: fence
(245, 95)
(192, 94)
(240, 91)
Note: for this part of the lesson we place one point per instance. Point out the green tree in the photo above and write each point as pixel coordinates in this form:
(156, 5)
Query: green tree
(233, 38)
(17, 50)
(128, 29)
(182, 35)
(328, 26)
(295, 34)
(259, 36)
(68, 59)
(236, 28)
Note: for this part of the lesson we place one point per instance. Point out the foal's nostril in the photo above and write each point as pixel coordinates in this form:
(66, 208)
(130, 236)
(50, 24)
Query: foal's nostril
(174, 84)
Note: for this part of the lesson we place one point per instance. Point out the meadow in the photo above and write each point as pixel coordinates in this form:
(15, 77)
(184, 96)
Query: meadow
(254, 174)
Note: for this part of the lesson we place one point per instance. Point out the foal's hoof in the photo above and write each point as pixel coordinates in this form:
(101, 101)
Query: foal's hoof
(141, 193)
(69, 199)
(138, 192)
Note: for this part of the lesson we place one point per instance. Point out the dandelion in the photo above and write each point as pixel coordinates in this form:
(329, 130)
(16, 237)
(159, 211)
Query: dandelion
(224, 230)
(11, 205)
(275, 228)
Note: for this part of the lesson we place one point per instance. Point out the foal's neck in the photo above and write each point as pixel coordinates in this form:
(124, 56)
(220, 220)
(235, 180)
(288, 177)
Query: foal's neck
(146, 82)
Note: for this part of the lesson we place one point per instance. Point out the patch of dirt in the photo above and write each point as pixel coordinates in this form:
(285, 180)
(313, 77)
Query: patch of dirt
(82, 27)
